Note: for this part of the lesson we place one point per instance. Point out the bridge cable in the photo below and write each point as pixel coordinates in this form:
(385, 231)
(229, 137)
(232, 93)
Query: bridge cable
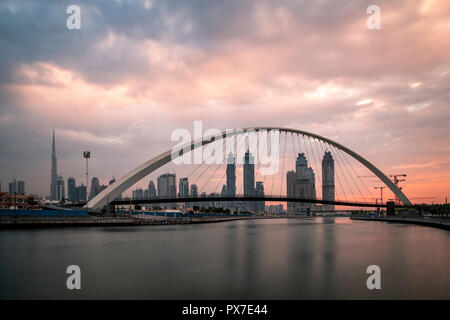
(284, 157)
(339, 169)
(273, 176)
(242, 185)
(269, 152)
(282, 170)
(218, 167)
(362, 181)
(342, 172)
(318, 173)
(223, 176)
(348, 171)
(319, 163)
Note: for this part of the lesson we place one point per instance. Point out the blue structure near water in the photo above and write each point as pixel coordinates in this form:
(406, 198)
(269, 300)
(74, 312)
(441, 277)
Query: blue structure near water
(44, 213)
(174, 214)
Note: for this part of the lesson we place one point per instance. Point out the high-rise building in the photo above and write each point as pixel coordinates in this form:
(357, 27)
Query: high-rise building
(150, 193)
(301, 184)
(249, 180)
(194, 190)
(81, 193)
(194, 194)
(138, 194)
(291, 177)
(231, 180)
(95, 187)
(183, 188)
(12, 186)
(167, 188)
(259, 191)
(328, 187)
(54, 175)
(224, 193)
(60, 190)
(307, 177)
(71, 189)
(21, 187)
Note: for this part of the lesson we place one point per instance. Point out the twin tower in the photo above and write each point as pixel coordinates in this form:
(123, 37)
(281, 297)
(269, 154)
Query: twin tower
(301, 183)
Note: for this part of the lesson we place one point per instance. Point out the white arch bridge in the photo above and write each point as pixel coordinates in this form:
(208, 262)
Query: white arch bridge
(340, 153)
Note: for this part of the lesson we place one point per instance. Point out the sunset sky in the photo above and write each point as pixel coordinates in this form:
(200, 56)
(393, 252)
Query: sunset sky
(137, 70)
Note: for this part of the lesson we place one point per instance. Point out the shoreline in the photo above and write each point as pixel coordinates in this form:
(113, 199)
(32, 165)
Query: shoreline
(427, 222)
(92, 221)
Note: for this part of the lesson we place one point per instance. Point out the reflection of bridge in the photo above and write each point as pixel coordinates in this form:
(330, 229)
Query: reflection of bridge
(246, 199)
(310, 144)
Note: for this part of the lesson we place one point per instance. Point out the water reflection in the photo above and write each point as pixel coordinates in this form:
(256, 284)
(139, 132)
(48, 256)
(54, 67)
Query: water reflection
(315, 258)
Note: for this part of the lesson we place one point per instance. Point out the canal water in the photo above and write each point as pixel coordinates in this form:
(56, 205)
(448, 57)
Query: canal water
(317, 258)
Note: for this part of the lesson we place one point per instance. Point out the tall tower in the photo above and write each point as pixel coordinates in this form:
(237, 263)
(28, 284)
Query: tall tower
(305, 185)
(95, 186)
(231, 180)
(291, 178)
(71, 189)
(183, 190)
(328, 188)
(249, 179)
(54, 175)
(259, 191)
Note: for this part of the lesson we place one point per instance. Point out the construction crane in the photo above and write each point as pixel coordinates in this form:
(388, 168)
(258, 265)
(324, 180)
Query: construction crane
(381, 190)
(396, 178)
(396, 182)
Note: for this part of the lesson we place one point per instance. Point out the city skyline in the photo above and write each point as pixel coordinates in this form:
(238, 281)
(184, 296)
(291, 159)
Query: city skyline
(392, 109)
(250, 186)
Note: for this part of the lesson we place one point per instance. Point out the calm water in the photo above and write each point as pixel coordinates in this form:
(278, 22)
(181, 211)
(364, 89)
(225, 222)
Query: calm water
(264, 259)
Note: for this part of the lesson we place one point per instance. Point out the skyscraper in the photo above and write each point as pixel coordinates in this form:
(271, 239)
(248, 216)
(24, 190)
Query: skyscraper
(301, 184)
(291, 177)
(138, 194)
(328, 188)
(21, 187)
(249, 179)
(151, 191)
(183, 188)
(231, 180)
(259, 191)
(60, 190)
(81, 193)
(223, 193)
(306, 174)
(12, 187)
(95, 187)
(71, 189)
(194, 190)
(194, 194)
(167, 187)
(54, 175)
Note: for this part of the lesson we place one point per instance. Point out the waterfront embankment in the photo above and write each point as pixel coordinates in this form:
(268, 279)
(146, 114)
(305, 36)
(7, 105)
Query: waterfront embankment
(425, 221)
(87, 221)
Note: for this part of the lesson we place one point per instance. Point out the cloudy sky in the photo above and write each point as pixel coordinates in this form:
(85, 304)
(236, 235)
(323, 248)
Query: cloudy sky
(137, 70)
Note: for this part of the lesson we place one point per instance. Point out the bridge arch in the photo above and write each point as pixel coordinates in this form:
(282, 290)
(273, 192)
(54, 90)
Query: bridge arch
(130, 178)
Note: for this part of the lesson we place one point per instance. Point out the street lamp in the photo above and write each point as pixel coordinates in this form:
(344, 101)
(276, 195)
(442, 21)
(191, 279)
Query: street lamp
(87, 155)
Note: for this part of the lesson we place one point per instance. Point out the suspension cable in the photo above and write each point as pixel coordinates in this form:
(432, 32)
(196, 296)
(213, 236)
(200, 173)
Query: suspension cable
(348, 171)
